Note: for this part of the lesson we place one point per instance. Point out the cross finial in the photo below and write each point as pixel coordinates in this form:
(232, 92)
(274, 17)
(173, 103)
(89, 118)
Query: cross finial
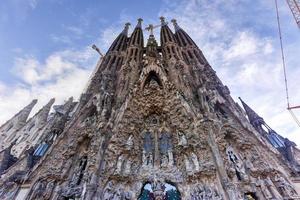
(150, 29)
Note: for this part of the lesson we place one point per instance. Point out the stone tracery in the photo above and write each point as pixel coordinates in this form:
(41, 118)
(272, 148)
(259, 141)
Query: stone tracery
(156, 123)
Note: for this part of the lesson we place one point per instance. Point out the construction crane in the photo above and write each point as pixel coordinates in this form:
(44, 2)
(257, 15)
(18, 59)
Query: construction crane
(295, 8)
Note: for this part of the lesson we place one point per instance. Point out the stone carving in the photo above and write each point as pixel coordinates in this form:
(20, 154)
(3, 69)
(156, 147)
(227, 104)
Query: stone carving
(200, 192)
(182, 141)
(129, 143)
(285, 187)
(158, 189)
(264, 188)
(127, 168)
(49, 188)
(191, 163)
(38, 190)
(148, 149)
(235, 165)
(79, 172)
(165, 147)
(120, 163)
(272, 188)
(130, 112)
(115, 192)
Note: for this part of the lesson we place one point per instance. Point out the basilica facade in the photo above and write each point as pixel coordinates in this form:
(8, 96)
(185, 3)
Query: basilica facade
(155, 123)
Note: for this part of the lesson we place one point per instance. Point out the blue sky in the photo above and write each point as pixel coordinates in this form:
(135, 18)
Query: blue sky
(45, 48)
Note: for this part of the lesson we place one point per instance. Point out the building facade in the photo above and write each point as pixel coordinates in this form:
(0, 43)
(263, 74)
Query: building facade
(154, 123)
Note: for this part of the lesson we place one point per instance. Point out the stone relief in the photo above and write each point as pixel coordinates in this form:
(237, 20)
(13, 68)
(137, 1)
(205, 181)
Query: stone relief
(204, 192)
(115, 192)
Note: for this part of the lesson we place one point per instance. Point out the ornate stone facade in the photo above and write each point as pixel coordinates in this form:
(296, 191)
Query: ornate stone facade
(155, 123)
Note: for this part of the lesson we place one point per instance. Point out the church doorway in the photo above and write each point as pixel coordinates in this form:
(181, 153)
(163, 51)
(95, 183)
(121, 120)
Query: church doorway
(159, 191)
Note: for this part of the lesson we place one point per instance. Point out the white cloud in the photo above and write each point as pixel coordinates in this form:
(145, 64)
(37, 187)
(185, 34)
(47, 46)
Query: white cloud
(33, 3)
(245, 58)
(60, 75)
(239, 41)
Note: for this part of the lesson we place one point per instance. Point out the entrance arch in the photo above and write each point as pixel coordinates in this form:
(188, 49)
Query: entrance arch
(159, 191)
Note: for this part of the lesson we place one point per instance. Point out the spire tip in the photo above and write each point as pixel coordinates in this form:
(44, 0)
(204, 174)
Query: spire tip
(176, 27)
(139, 24)
(163, 20)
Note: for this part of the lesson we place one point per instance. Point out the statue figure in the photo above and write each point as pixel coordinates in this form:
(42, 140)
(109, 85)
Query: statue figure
(129, 143)
(286, 188)
(120, 164)
(117, 195)
(171, 158)
(187, 163)
(272, 188)
(49, 188)
(265, 191)
(78, 172)
(182, 139)
(147, 159)
(164, 160)
(204, 193)
(127, 168)
(150, 159)
(247, 165)
(202, 94)
(108, 191)
(237, 165)
(38, 190)
(158, 190)
(194, 158)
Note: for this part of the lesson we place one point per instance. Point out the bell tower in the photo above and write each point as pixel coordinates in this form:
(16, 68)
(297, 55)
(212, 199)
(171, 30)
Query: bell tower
(156, 123)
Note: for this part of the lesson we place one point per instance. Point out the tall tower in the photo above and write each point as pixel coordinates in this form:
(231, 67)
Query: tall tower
(157, 123)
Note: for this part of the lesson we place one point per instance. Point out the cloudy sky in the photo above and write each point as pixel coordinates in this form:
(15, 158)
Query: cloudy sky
(45, 48)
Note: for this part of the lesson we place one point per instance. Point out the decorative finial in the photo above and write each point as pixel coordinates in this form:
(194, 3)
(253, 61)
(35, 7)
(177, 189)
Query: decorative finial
(125, 31)
(176, 27)
(139, 24)
(97, 49)
(163, 20)
(150, 29)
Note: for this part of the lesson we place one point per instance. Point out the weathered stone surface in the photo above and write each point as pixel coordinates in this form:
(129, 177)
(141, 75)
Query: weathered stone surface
(154, 123)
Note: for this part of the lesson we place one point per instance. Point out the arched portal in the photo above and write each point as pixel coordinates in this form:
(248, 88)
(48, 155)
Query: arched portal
(159, 191)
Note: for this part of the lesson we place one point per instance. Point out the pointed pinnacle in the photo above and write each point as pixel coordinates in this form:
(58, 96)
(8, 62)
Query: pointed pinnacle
(50, 102)
(125, 31)
(139, 24)
(176, 27)
(163, 21)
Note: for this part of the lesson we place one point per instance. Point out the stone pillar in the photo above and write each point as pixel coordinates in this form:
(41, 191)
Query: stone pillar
(229, 188)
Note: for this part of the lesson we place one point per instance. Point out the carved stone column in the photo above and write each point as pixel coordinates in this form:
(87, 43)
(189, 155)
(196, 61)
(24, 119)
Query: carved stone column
(229, 188)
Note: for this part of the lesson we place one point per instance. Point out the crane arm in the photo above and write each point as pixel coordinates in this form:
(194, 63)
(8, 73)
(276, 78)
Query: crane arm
(295, 8)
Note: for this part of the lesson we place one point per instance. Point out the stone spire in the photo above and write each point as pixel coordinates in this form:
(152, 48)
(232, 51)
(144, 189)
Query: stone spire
(183, 38)
(166, 34)
(41, 116)
(190, 51)
(120, 42)
(253, 117)
(168, 41)
(176, 27)
(136, 43)
(258, 123)
(19, 120)
(65, 108)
